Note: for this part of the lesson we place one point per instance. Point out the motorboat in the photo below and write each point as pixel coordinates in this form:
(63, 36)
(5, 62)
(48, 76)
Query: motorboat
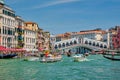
(31, 59)
(50, 58)
(79, 57)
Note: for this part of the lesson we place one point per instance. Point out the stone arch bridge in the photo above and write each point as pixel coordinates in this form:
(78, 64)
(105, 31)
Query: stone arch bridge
(82, 42)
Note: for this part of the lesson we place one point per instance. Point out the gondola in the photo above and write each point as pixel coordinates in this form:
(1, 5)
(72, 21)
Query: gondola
(6, 56)
(111, 58)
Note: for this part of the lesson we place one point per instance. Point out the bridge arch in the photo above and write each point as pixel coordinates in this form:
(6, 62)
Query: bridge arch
(67, 44)
(90, 42)
(105, 46)
(63, 45)
(59, 45)
(56, 47)
(97, 44)
(93, 43)
(86, 42)
(101, 45)
(75, 42)
(71, 43)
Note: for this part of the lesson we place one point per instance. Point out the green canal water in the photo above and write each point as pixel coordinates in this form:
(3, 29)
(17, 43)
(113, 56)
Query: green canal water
(96, 68)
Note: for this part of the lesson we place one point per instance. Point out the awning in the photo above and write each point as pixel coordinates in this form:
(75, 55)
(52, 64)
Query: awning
(2, 48)
(31, 49)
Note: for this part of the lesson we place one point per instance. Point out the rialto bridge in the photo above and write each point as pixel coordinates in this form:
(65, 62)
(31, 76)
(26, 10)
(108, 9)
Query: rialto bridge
(80, 43)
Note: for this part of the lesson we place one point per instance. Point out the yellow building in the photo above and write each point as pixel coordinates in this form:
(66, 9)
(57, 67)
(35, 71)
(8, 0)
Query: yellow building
(30, 36)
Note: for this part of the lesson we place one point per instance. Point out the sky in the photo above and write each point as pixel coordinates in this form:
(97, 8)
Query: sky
(60, 16)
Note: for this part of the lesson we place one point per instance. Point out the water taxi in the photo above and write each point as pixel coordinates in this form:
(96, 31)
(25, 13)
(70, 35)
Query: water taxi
(50, 58)
(79, 57)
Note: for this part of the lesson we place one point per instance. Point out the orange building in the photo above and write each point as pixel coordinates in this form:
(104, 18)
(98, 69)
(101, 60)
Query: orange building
(64, 36)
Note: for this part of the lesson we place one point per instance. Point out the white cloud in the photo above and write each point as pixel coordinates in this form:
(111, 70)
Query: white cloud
(11, 2)
(55, 3)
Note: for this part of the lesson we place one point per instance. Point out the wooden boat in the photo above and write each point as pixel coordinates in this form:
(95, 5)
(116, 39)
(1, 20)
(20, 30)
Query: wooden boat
(6, 56)
(111, 58)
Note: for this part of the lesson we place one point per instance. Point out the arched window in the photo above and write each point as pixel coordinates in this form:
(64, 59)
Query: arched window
(59, 45)
(56, 47)
(71, 43)
(67, 44)
(75, 42)
(105, 46)
(90, 43)
(86, 42)
(93, 43)
(101, 46)
(63, 45)
(97, 44)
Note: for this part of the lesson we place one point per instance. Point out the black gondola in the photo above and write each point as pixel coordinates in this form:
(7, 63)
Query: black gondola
(6, 56)
(111, 58)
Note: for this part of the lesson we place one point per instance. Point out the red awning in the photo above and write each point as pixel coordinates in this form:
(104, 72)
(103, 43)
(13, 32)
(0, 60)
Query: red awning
(2, 48)
(40, 49)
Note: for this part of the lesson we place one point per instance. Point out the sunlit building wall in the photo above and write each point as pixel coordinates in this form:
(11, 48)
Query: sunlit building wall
(91, 34)
(7, 26)
(30, 35)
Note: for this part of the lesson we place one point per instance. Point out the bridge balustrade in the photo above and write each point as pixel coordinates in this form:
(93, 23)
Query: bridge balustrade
(88, 43)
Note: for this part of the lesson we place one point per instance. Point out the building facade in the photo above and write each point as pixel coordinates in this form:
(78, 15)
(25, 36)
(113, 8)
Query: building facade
(61, 37)
(96, 34)
(16, 33)
(46, 43)
(116, 38)
(43, 41)
(7, 26)
(19, 32)
(30, 36)
(40, 39)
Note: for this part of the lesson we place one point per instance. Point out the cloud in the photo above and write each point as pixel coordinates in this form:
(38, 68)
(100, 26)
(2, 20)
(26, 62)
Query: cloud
(13, 1)
(55, 3)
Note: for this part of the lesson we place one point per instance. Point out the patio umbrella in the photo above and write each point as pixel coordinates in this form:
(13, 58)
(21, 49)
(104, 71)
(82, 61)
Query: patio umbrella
(2, 48)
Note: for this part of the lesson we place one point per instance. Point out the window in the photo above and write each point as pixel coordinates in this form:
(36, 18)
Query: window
(3, 29)
(32, 24)
(0, 30)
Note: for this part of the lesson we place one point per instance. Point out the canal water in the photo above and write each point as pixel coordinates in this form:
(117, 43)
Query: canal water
(95, 68)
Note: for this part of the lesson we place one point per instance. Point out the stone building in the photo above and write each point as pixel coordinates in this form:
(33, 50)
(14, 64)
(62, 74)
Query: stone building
(7, 25)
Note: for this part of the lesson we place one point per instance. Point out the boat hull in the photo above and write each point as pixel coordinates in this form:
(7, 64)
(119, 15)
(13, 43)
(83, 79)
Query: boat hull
(6, 56)
(111, 58)
(78, 58)
(50, 59)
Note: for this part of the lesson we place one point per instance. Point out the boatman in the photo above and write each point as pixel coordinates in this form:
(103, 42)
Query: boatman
(113, 54)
